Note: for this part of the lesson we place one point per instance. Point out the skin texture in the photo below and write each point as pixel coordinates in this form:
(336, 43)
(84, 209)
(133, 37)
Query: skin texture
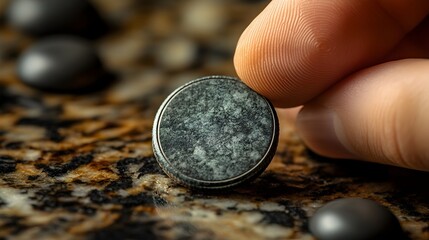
(358, 67)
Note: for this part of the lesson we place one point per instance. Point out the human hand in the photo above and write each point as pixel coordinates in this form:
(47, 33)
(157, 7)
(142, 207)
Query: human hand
(358, 68)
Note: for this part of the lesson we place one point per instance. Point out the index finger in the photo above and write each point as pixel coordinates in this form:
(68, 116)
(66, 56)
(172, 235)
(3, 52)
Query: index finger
(296, 49)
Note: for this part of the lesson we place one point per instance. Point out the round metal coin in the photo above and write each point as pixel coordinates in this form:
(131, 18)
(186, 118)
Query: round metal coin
(214, 133)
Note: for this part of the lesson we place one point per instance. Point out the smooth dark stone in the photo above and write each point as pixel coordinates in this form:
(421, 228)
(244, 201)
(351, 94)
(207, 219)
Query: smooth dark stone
(60, 64)
(355, 219)
(46, 17)
(215, 132)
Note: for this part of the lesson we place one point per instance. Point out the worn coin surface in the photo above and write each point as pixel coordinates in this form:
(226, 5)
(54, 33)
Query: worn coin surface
(215, 132)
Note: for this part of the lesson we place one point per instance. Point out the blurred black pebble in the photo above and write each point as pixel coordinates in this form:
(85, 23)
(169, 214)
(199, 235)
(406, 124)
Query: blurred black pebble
(46, 17)
(61, 64)
(355, 219)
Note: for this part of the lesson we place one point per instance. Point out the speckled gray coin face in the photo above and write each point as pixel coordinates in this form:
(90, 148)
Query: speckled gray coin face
(215, 132)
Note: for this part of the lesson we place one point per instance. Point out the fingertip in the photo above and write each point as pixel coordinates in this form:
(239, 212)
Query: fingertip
(289, 54)
(295, 50)
(260, 59)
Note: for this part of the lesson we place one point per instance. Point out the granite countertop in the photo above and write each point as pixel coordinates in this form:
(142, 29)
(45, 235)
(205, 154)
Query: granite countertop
(82, 166)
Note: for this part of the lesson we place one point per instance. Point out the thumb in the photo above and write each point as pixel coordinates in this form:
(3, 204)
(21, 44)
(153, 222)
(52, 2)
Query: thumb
(294, 50)
(379, 114)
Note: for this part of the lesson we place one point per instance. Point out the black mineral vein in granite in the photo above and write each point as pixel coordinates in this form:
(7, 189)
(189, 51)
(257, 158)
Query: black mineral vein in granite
(122, 165)
(51, 125)
(300, 216)
(53, 134)
(13, 224)
(121, 183)
(404, 202)
(150, 166)
(10, 99)
(59, 196)
(59, 170)
(12, 145)
(45, 122)
(101, 197)
(33, 177)
(126, 230)
(216, 130)
(277, 217)
(7, 164)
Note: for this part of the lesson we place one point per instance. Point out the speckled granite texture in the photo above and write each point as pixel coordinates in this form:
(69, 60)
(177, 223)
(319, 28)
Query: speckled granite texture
(82, 167)
(216, 129)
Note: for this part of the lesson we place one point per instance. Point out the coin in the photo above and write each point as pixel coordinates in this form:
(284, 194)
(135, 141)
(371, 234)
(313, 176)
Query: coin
(215, 132)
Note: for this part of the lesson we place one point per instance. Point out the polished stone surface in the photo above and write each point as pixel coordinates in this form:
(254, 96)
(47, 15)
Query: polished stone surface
(46, 17)
(82, 166)
(60, 64)
(355, 219)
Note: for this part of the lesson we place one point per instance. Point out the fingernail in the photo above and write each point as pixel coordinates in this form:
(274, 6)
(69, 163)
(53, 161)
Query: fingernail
(322, 131)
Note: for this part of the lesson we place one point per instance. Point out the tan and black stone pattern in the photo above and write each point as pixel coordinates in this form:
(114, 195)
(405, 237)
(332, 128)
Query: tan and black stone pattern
(81, 166)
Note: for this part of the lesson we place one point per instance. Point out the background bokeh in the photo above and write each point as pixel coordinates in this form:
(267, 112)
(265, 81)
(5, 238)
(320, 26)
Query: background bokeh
(81, 166)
